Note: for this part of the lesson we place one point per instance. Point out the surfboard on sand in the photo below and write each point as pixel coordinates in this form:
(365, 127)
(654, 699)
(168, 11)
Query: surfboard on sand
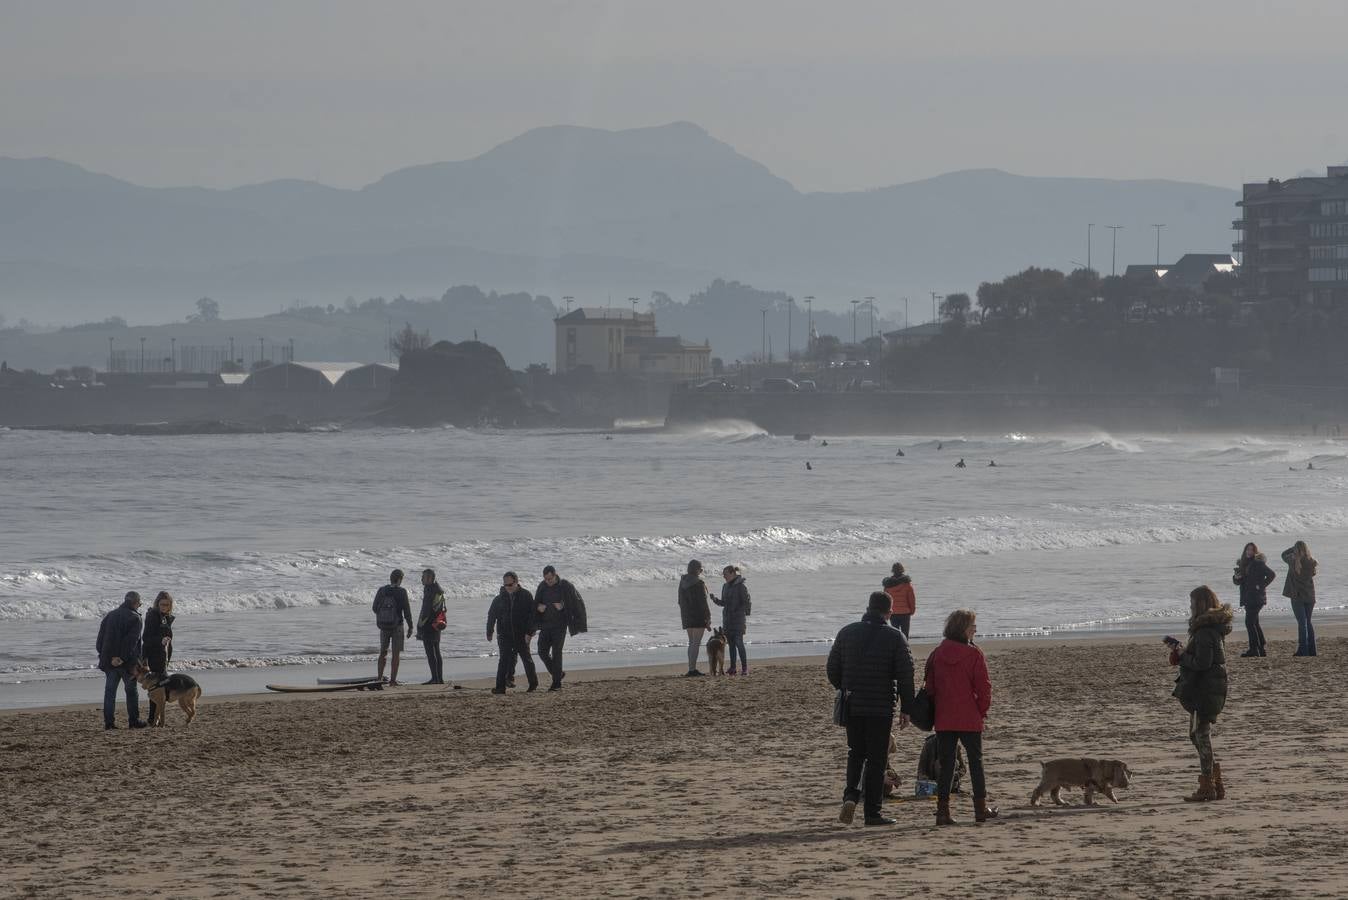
(357, 679)
(373, 684)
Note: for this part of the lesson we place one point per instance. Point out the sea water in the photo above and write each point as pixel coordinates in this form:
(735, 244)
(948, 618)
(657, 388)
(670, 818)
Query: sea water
(274, 545)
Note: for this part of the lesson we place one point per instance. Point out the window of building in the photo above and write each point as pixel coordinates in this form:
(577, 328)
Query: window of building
(1330, 251)
(1328, 273)
(1329, 229)
(1334, 207)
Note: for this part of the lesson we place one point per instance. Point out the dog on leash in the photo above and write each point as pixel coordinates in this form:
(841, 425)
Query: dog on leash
(164, 689)
(1090, 775)
(716, 651)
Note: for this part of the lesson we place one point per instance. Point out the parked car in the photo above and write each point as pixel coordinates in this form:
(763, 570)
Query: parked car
(778, 385)
(807, 386)
(715, 386)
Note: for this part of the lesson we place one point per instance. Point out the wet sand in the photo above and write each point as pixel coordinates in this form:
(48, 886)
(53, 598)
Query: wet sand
(640, 783)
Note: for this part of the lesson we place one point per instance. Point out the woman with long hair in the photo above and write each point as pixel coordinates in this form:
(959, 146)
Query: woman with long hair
(1300, 589)
(1253, 576)
(734, 601)
(157, 638)
(1200, 686)
(957, 680)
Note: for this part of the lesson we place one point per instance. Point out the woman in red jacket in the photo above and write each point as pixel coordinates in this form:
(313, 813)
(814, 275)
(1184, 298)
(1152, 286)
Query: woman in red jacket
(957, 680)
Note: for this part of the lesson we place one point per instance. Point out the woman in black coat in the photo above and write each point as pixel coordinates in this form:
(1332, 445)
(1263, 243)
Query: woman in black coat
(157, 638)
(1253, 576)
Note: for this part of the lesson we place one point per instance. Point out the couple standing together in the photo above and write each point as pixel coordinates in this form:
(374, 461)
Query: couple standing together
(695, 614)
(1253, 576)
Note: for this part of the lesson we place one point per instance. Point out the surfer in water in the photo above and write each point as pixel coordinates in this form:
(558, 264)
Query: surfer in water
(992, 464)
(899, 452)
(960, 464)
(1310, 466)
(808, 467)
(940, 445)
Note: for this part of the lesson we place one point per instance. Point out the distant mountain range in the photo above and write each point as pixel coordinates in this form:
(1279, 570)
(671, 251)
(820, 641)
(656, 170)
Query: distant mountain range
(560, 211)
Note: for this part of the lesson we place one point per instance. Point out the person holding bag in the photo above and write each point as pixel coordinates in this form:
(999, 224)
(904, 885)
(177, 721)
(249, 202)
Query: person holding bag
(430, 622)
(957, 681)
(870, 667)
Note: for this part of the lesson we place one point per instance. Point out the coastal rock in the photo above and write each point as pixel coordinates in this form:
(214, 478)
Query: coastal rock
(465, 384)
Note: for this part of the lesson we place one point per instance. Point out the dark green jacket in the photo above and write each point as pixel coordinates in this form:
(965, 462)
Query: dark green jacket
(1300, 584)
(1201, 683)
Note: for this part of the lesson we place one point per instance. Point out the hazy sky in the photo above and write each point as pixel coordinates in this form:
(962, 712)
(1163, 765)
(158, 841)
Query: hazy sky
(832, 96)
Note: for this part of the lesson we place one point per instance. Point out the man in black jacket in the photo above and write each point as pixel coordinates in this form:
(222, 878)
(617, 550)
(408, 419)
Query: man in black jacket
(511, 620)
(554, 604)
(871, 662)
(119, 647)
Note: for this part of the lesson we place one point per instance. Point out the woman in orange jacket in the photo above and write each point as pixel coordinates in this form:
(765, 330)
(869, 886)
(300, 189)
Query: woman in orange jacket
(902, 600)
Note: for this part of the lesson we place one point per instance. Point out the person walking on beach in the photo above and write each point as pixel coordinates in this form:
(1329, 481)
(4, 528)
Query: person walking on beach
(555, 603)
(511, 620)
(1300, 589)
(1253, 576)
(903, 602)
(694, 612)
(735, 606)
(870, 661)
(119, 648)
(391, 609)
(1200, 686)
(957, 680)
(432, 612)
(157, 638)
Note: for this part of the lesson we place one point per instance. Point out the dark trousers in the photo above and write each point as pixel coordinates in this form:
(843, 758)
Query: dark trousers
(868, 752)
(510, 649)
(973, 752)
(1256, 634)
(901, 622)
(123, 677)
(431, 638)
(736, 641)
(158, 663)
(1305, 630)
(550, 643)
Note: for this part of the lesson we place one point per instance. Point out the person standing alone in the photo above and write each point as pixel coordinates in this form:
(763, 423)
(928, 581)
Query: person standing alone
(119, 647)
(391, 609)
(1253, 576)
(1201, 684)
(432, 610)
(694, 612)
(870, 661)
(511, 620)
(903, 602)
(555, 605)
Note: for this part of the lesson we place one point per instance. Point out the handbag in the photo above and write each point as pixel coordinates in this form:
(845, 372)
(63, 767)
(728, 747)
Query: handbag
(923, 712)
(840, 709)
(440, 622)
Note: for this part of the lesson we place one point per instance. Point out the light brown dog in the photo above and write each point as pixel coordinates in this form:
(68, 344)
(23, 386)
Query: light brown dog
(892, 779)
(716, 651)
(165, 689)
(1090, 775)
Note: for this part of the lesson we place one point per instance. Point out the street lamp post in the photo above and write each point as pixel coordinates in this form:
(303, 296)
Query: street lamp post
(232, 360)
(1158, 242)
(905, 312)
(1114, 249)
(633, 301)
(262, 352)
(790, 302)
(809, 323)
(764, 355)
(1089, 226)
(109, 353)
(173, 354)
(854, 321)
(870, 302)
(142, 356)
(934, 297)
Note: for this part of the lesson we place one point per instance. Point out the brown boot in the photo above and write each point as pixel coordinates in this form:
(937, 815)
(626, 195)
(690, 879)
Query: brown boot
(943, 811)
(1218, 788)
(983, 810)
(1205, 791)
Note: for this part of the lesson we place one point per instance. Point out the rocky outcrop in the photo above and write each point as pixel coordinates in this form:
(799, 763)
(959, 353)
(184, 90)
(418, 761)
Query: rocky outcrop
(466, 384)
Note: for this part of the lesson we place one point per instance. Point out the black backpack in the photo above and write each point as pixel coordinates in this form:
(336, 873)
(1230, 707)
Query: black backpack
(386, 609)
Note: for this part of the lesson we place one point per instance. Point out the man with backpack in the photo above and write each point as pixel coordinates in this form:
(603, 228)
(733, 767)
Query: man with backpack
(391, 609)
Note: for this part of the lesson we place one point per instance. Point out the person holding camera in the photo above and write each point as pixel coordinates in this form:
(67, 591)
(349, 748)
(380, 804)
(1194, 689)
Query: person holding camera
(1200, 686)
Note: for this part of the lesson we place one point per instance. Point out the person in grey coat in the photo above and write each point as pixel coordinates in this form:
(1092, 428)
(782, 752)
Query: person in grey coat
(735, 608)
(1300, 589)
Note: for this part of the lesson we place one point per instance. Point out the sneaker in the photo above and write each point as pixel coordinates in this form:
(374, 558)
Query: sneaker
(498, 690)
(533, 687)
(732, 672)
(139, 723)
(873, 821)
(392, 683)
(109, 726)
(510, 682)
(694, 673)
(746, 671)
(555, 687)
(849, 809)
(432, 681)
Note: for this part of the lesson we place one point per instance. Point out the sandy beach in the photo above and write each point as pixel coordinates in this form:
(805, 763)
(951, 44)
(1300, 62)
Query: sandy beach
(640, 783)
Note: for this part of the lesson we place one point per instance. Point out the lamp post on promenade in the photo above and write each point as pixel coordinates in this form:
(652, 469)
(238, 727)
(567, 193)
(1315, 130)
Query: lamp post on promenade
(1089, 226)
(142, 356)
(870, 302)
(1158, 241)
(1114, 249)
(809, 323)
(854, 321)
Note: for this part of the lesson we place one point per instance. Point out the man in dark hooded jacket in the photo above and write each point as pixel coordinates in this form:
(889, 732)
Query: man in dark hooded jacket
(555, 604)
(694, 611)
(870, 661)
(119, 649)
(511, 620)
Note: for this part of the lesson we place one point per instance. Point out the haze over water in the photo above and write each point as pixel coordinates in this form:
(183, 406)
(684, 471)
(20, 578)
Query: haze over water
(274, 545)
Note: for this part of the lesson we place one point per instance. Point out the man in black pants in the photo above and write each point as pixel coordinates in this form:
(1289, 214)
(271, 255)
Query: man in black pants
(554, 602)
(432, 605)
(511, 620)
(871, 662)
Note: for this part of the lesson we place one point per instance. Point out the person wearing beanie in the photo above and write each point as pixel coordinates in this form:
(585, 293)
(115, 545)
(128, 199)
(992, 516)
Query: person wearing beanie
(694, 612)
(871, 664)
(119, 651)
(903, 602)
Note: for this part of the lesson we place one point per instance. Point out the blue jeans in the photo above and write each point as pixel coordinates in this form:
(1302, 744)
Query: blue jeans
(736, 641)
(1305, 631)
(115, 677)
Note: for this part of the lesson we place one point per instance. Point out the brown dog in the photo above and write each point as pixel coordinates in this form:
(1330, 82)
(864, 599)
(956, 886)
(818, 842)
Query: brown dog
(716, 651)
(1090, 775)
(164, 689)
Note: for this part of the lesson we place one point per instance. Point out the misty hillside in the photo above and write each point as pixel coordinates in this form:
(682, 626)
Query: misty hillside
(559, 210)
